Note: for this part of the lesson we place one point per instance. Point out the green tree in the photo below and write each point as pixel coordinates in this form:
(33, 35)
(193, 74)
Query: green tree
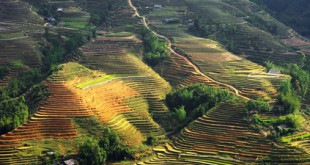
(290, 103)
(193, 101)
(286, 88)
(13, 112)
(54, 55)
(4, 71)
(74, 42)
(155, 48)
(287, 99)
(91, 154)
(180, 114)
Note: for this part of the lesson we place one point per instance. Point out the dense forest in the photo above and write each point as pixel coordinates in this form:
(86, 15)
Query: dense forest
(293, 13)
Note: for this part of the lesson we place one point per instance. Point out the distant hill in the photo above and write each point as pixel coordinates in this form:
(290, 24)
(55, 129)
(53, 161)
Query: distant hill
(293, 13)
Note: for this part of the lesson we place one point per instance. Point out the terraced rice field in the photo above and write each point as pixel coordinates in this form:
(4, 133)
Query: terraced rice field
(17, 19)
(19, 31)
(107, 101)
(210, 56)
(300, 140)
(53, 120)
(255, 43)
(222, 137)
(72, 15)
(121, 17)
(132, 101)
(19, 49)
(129, 111)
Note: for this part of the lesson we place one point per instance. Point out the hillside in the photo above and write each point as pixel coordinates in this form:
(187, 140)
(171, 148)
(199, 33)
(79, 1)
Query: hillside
(294, 14)
(151, 82)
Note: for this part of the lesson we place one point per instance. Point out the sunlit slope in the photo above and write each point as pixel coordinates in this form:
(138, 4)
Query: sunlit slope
(145, 89)
(52, 120)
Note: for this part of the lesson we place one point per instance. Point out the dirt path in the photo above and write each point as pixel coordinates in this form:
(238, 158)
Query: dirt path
(236, 91)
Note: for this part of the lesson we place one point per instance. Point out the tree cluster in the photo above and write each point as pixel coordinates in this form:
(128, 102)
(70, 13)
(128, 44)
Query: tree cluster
(290, 102)
(278, 126)
(13, 108)
(155, 49)
(4, 71)
(61, 49)
(300, 75)
(94, 152)
(13, 113)
(258, 106)
(195, 100)
(292, 91)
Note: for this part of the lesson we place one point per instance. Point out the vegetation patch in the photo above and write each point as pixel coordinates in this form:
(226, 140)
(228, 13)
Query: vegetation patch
(61, 48)
(100, 143)
(300, 76)
(193, 101)
(13, 113)
(14, 110)
(156, 49)
(292, 138)
(17, 64)
(4, 71)
(278, 127)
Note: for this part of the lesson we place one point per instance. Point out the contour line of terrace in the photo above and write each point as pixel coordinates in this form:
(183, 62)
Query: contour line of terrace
(117, 78)
(236, 91)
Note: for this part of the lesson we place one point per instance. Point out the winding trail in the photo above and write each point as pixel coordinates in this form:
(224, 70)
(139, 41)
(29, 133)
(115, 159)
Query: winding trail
(136, 14)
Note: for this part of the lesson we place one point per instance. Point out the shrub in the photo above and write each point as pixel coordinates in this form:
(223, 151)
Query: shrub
(287, 99)
(4, 71)
(257, 105)
(290, 103)
(74, 42)
(180, 114)
(151, 140)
